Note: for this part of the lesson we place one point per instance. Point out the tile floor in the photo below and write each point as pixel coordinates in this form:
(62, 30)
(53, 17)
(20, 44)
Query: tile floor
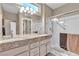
(56, 51)
(50, 54)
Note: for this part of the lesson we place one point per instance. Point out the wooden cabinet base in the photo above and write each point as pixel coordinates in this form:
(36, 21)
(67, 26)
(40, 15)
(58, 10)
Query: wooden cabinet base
(29, 47)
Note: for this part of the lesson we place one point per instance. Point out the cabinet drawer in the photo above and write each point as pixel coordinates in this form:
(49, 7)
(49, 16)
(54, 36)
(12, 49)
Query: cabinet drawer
(43, 50)
(48, 47)
(15, 51)
(24, 54)
(47, 40)
(42, 42)
(37, 54)
(34, 51)
(42, 47)
(33, 45)
(43, 53)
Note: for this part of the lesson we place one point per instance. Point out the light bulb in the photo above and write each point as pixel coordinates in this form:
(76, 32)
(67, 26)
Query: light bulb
(27, 8)
(21, 9)
(25, 11)
(31, 9)
(31, 13)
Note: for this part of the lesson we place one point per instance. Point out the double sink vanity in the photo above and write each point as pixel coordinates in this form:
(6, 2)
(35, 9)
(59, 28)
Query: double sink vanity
(26, 45)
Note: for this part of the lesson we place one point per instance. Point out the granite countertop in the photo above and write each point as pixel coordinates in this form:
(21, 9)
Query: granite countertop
(20, 40)
(22, 37)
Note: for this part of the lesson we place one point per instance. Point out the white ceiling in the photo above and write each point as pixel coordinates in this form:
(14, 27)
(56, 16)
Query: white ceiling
(55, 5)
(10, 7)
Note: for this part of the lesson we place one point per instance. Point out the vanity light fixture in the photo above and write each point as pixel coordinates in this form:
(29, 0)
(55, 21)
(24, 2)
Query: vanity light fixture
(28, 8)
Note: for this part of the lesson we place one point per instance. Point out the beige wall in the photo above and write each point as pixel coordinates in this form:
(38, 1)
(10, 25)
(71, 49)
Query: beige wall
(9, 16)
(46, 12)
(0, 20)
(36, 24)
(49, 12)
(66, 8)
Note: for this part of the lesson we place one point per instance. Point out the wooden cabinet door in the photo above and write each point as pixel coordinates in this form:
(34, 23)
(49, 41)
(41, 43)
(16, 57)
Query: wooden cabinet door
(48, 48)
(63, 41)
(34, 51)
(26, 53)
(77, 49)
(43, 50)
(72, 43)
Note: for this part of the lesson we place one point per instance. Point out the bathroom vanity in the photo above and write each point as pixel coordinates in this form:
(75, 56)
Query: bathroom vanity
(22, 34)
(26, 45)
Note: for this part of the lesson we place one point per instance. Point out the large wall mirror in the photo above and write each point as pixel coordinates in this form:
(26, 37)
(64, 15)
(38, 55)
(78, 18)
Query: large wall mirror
(9, 27)
(15, 24)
